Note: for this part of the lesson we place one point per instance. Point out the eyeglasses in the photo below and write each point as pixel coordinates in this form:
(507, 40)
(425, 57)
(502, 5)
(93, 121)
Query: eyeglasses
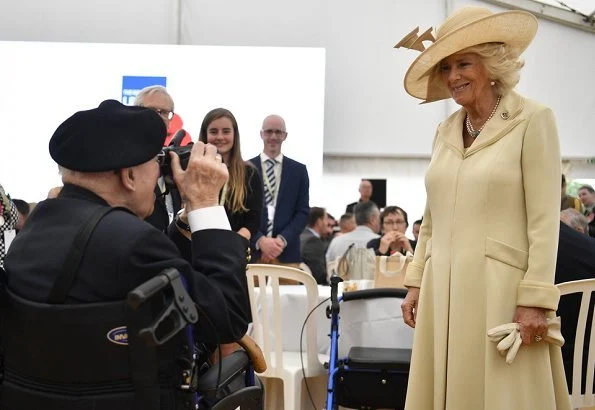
(168, 115)
(278, 133)
(393, 223)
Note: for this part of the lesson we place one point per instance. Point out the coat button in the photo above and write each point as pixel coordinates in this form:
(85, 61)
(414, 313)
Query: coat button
(505, 115)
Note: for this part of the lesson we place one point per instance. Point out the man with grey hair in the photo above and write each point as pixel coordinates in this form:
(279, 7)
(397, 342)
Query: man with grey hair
(367, 219)
(575, 220)
(167, 201)
(157, 99)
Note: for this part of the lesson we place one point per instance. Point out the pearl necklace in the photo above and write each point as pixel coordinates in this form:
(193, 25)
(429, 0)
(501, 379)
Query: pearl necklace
(475, 133)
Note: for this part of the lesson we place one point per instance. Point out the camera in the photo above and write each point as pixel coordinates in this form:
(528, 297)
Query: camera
(164, 158)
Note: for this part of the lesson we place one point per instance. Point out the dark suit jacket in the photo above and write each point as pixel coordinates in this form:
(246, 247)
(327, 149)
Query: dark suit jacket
(313, 254)
(349, 209)
(124, 252)
(576, 261)
(291, 211)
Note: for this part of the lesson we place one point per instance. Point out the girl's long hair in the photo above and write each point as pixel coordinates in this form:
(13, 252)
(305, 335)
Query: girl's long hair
(236, 186)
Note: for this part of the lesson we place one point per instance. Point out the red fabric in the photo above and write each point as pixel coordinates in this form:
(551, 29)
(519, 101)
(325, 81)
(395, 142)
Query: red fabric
(176, 124)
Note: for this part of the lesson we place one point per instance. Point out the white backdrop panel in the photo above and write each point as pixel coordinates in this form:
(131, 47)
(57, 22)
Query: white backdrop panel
(47, 82)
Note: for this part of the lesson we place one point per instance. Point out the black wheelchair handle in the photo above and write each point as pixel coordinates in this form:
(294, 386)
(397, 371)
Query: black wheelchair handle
(140, 294)
(374, 294)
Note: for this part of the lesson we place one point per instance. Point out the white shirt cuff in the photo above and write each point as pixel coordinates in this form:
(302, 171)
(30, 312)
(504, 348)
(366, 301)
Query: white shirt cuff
(212, 217)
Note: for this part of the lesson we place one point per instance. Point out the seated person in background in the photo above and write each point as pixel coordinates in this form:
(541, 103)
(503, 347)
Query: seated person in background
(394, 224)
(569, 201)
(586, 193)
(333, 225)
(367, 218)
(123, 251)
(346, 224)
(23, 208)
(415, 231)
(312, 245)
(576, 261)
(365, 193)
(9, 218)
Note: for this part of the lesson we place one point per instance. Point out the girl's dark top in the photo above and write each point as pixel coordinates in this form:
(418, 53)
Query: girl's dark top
(249, 219)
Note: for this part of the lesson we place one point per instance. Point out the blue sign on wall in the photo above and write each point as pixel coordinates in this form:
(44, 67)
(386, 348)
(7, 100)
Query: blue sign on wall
(132, 84)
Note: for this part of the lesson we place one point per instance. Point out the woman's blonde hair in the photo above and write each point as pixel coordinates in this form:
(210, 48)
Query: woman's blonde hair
(236, 191)
(501, 62)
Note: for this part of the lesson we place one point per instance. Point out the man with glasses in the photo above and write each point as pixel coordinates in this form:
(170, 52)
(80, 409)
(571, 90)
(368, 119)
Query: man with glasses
(286, 193)
(156, 98)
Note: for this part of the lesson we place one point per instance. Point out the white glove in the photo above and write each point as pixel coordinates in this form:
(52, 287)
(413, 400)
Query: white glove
(508, 337)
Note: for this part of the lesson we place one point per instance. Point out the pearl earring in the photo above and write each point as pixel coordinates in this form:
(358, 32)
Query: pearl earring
(492, 83)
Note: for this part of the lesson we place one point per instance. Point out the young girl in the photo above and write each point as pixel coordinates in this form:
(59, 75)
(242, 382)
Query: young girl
(242, 194)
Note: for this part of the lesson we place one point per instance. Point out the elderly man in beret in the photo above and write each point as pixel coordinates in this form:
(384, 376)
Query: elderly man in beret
(108, 158)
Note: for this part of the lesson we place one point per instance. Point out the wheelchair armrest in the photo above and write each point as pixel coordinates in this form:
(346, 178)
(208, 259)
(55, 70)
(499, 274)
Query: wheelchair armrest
(254, 353)
(178, 313)
(231, 366)
(375, 294)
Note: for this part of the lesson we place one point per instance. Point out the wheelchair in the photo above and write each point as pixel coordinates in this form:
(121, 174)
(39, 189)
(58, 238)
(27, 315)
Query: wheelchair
(368, 378)
(153, 362)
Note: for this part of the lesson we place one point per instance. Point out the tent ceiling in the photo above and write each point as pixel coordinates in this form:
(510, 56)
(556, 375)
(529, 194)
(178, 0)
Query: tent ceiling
(574, 13)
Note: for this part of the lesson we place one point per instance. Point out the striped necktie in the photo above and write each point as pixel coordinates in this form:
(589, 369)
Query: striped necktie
(270, 188)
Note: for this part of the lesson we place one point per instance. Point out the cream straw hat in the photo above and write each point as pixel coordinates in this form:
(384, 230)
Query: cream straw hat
(468, 26)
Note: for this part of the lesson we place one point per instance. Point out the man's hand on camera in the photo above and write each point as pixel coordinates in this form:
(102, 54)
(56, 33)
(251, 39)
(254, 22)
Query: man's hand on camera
(201, 182)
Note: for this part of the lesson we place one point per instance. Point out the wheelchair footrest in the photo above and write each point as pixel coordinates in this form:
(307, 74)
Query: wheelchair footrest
(379, 358)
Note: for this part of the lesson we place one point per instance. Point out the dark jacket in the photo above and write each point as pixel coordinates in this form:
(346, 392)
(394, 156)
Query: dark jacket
(313, 254)
(291, 211)
(349, 209)
(124, 252)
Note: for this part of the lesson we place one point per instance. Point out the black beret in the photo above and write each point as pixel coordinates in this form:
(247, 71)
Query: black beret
(109, 137)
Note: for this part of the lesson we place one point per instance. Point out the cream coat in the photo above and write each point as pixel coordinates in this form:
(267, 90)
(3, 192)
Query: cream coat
(488, 243)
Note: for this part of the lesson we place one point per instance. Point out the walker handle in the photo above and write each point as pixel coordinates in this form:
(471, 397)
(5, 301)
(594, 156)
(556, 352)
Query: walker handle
(375, 294)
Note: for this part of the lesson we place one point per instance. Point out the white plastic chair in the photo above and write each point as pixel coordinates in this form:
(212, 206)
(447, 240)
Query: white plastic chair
(305, 268)
(284, 365)
(578, 400)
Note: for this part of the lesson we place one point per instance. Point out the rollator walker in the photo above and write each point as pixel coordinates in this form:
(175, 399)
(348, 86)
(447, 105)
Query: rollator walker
(369, 377)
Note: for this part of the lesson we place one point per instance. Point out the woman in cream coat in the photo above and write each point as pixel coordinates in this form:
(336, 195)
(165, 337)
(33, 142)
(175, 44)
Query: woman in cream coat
(487, 247)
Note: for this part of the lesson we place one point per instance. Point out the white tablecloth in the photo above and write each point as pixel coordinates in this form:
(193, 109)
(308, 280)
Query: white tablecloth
(370, 323)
